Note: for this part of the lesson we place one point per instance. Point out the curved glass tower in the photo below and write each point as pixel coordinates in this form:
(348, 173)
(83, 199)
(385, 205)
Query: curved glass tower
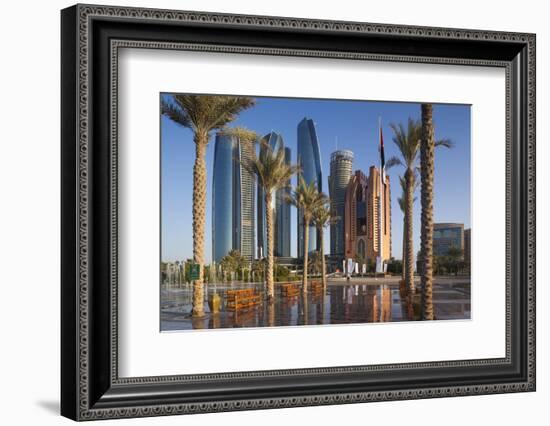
(309, 160)
(232, 198)
(281, 212)
(341, 165)
(282, 222)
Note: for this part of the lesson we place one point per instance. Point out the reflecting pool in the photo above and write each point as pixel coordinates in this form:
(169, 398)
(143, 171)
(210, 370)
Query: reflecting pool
(361, 301)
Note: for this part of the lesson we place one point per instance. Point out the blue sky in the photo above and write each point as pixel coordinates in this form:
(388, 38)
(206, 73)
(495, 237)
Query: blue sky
(340, 124)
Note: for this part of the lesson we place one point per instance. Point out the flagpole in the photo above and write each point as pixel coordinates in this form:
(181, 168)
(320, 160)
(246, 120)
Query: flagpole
(380, 260)
(380, 215)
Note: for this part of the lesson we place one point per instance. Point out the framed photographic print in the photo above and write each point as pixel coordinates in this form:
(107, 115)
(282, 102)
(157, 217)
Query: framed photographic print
(263, 212)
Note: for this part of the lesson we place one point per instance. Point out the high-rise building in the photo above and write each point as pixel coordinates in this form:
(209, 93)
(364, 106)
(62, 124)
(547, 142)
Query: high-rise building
(341, 167)
(373, 217)
(361, 218)
(281, 209)
(309, 160)
(232, 198)
(355, 217)
(447, 236)
(282, 220)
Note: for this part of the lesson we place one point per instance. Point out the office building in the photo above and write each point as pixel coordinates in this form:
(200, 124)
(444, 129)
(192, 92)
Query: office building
(447, 236)
(232, 198)
(309, 160)
(341, 168)
(281, 209)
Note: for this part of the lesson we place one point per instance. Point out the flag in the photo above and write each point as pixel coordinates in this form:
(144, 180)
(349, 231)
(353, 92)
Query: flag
(382, 159)
(381, 208)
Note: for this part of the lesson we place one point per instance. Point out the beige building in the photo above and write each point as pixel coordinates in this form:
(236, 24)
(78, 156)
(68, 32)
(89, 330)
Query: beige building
(361, 216)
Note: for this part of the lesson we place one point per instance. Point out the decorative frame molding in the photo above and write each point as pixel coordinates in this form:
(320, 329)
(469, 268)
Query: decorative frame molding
(91, 388)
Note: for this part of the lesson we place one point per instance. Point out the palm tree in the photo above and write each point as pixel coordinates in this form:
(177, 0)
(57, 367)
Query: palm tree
(233, 262)
(427, 154)
(273, 173)
(322, 218)
(315, 262)
(408, 143)
(403, 207)
(257, 268)
(456, 255)
(307, 198)
(202, 114)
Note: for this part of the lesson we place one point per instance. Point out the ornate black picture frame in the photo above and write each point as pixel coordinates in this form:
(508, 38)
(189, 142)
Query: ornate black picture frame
(91, 37)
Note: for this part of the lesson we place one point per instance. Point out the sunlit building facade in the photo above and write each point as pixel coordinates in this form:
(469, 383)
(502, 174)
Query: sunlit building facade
(355, 217)
(361, 217)
(309, 160)
(378, 195)
(232, 198)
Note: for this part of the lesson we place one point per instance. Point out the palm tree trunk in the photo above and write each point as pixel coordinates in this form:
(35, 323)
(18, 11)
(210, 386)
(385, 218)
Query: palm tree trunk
(306, 249)
(271, 313)
(409, 254)
(404, 249)
(199, 218)
(323, 266)
(427, 194)
(269, 225)
(305, 308)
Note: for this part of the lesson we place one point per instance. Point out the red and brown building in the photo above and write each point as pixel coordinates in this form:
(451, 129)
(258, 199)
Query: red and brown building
(361, 217)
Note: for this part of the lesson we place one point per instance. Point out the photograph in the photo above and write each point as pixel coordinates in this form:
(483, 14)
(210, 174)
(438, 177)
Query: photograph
(266, 208)
(279, 211)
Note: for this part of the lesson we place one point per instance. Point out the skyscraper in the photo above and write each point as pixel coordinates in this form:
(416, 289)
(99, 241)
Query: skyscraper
(281, 246)
(232, 198)
(309, 160)
(341, 164)
(361, 216)
(373, 218)
(282, 219)
(355, 217)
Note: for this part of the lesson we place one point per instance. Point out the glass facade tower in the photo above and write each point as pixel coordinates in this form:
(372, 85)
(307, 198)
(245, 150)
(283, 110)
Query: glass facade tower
(309, 160)
(232, 198)
(447, 236)
(341, 166)
(282, 219)
(281, 213)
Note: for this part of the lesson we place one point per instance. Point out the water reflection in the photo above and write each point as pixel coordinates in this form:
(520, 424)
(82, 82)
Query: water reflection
(337, 304)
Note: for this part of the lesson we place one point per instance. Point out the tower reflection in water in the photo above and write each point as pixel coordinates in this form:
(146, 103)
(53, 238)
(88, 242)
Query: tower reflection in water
(342, 304)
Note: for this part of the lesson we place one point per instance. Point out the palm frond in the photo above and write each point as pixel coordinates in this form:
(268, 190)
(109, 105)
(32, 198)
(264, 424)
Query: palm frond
(270, 167)
(407, 141)
(224, 109)
(176, 114)
(393, 161)
(306, 197)
(322, 216)
(401, 201)
(241, 133)
(204, 113)
(402, 204)
(446, 143)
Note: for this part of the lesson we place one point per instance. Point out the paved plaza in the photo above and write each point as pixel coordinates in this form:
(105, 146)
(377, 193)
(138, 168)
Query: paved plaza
(361, 300)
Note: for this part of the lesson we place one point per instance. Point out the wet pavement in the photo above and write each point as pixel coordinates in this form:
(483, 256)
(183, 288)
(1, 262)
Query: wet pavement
(361, 301)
